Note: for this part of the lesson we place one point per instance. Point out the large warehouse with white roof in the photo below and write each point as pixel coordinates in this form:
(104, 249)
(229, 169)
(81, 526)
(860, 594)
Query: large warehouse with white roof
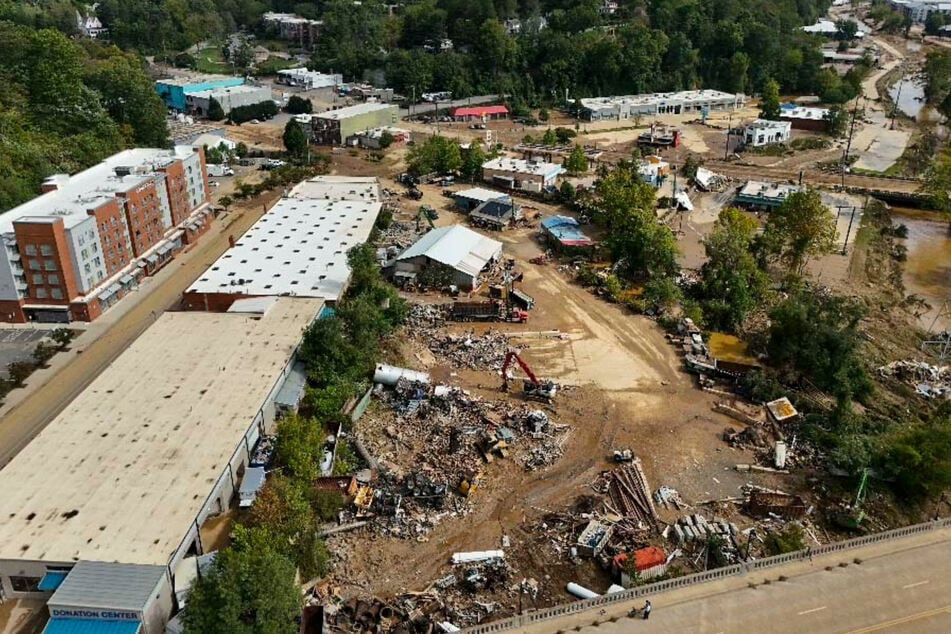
(130, 470)
(298, 248)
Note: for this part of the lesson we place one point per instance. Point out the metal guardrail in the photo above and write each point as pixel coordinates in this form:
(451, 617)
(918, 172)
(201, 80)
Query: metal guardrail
(563, 609)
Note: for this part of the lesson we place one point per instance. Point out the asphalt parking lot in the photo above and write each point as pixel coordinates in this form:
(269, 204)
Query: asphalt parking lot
(17, 344)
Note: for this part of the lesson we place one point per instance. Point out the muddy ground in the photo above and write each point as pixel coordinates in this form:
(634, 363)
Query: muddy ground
(630, 391)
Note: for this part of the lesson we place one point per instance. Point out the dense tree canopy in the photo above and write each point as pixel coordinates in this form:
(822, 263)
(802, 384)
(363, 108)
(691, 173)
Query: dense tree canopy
(65, 107)
(731, 281)
(649, 45)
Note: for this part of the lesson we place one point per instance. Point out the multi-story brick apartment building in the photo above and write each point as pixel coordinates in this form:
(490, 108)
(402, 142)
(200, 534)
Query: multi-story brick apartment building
(81, 245)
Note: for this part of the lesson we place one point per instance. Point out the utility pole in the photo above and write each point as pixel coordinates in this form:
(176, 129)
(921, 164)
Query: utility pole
(848, 144)
(901, 81)
(729, 132)
(848, 232)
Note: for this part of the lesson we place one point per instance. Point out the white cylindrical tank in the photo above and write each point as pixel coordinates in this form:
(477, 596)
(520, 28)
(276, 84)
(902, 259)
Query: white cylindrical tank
(780, 454)
(390, 374)
(581, 592)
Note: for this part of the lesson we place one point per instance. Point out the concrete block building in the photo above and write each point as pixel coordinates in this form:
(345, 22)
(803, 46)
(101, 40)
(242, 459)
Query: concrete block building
(337, 127)
(684, 102)
(533, 176)
(230, 97)
(764, 132)
(73, 251)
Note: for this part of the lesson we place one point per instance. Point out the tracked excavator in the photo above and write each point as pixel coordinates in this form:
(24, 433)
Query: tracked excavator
(532, 387)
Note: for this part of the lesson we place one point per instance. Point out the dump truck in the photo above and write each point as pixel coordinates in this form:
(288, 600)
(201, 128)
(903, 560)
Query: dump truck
(486, 311)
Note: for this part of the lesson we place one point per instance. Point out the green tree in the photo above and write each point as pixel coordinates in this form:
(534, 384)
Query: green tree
(295, 139)
(549, 138)
(472, 161)
(299, 105)
(299, 447)
(846, 29)
(62, 337)
(918, 457)
(249, 589)
(803, 227)
(437, 154)
(641, 245)
(937, 181)
(817, 337)
(837, 122)
(386, 139)
(215, 111)
(769, 104)
(129, 96)
(731, 282)
(577, 162)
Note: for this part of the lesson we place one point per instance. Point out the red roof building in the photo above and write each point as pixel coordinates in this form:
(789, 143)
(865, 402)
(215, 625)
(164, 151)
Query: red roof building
(480, 112)
(649, 562)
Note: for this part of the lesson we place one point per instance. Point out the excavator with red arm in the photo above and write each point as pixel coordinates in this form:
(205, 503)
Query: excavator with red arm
(532, 387)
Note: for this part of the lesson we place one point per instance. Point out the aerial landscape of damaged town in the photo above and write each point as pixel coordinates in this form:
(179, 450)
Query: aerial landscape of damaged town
(433, 316)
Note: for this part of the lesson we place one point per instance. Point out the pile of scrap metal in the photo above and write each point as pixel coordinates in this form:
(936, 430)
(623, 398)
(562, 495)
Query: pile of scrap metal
(431, 445)
(721, 543)
(629, 497)
(929, 381)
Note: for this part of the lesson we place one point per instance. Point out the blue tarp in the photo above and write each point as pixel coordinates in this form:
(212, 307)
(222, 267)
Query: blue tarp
(566, 230)
(61, 625)
(51, 580)
(326, 312)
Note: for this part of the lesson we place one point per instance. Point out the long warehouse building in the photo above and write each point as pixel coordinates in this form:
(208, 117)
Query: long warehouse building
(104, 504)
(298, 248)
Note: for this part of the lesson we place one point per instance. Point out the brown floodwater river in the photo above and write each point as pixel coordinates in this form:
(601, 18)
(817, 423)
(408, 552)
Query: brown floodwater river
(927, 272)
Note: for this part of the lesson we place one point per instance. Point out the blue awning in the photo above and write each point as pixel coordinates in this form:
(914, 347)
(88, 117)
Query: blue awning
(61, 625)
(52, 579)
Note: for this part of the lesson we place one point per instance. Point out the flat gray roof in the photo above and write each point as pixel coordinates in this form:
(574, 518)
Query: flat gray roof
(352, 111)
(97, 584)
(123, 472)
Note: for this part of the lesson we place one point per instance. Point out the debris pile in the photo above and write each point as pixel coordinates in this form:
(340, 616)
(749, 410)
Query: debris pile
(630, 496)
(696, 528)
(485, 352)
(929, 381)
(432, 444)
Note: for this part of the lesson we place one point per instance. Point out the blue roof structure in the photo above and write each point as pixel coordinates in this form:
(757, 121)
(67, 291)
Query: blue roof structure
(59, 625)
(566, 231)
(52, 580)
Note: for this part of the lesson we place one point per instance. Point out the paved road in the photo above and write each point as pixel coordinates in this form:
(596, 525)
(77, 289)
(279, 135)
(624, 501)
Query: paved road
(900, 587)
(22, 423)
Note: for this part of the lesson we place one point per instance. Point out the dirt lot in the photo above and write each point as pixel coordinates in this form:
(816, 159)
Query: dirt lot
(629, 391)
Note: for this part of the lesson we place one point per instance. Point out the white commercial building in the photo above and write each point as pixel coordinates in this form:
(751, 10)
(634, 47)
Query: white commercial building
(534, 176)
(229, 97)
(463, 250)
(130, 471)
(684, 102)
(765, 132)
(298, 248)
(308, 78)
